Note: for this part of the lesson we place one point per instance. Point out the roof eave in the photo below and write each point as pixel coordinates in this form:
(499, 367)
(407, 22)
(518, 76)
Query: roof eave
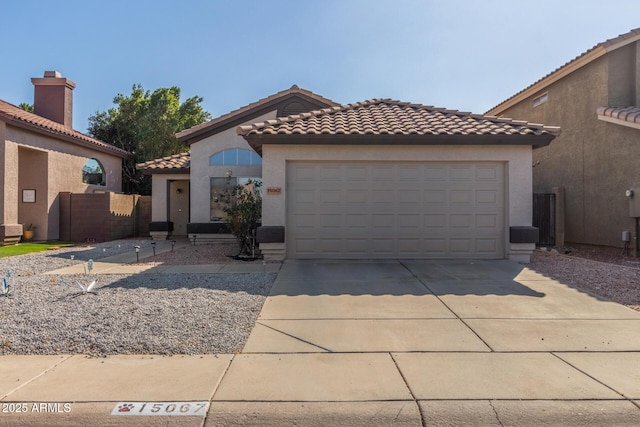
(164, 171)
(68, 138)
(548, 80)
(619, 122)
(256, 141)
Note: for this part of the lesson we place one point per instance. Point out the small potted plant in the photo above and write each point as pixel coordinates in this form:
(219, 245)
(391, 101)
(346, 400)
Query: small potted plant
(27, 233)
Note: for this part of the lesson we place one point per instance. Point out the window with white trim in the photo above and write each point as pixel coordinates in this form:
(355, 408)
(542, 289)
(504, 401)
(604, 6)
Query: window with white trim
(234, 157)
(540, 99)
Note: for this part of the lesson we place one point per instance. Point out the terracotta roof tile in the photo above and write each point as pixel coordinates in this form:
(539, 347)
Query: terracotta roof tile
(629, 114)
(257, 104)
(16, 115)
(177, 163)
(388, 117)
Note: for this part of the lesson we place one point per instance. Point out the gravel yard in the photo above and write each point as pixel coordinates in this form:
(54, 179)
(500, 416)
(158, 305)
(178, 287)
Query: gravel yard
(199, 313)
(128, 314)
(601, 271)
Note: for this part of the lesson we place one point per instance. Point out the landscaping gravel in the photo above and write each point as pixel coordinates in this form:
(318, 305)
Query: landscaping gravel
(613, 276)
(197, 313)
(128, 314)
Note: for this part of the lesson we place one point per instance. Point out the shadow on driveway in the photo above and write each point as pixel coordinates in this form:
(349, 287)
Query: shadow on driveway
(404, 277)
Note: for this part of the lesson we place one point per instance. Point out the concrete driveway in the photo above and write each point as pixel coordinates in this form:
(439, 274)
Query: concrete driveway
(436, 343)
(434, 306)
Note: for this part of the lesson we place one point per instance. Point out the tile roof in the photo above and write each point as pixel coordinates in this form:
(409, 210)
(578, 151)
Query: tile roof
(389, 117)
(294, 90)
(17, 116)
(579, 61)
(178, 163)
(626, 114)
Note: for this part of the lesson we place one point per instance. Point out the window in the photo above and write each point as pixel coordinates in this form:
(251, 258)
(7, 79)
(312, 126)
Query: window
(541, 99)
(235, 156)
(221, 189)
(93, 173)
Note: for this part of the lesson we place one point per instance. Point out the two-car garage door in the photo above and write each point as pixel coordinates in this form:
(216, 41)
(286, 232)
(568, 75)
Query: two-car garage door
(395, 210)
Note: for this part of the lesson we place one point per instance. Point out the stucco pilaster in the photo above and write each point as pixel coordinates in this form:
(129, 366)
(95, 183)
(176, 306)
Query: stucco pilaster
(8, 179)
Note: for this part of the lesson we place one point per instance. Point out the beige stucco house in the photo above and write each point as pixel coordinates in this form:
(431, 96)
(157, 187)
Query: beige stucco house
(41, 156)
(376, 179)
(595, 98)
(185, 186)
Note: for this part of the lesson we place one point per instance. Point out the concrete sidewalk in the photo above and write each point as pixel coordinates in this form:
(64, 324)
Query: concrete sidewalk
(369, 343)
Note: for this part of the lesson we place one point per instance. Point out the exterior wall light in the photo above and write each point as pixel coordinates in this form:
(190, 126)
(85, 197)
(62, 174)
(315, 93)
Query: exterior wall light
(629, 193)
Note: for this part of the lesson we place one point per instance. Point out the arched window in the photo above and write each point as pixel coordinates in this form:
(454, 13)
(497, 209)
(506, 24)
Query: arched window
(235, 156)
(93, 173)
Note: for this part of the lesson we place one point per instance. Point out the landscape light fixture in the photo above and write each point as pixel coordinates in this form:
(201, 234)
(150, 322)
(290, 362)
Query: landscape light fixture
(137, 248)
(153, 245)
(173, 243)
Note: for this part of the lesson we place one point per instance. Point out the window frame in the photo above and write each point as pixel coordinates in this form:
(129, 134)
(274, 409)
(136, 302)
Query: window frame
(233, 156)
(86, 175)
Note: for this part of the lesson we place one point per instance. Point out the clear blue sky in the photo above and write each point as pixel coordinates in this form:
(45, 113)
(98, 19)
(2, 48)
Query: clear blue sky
(459, 54)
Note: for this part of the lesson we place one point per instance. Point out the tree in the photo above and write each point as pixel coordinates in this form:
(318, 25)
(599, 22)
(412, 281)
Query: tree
(26, 107)
(145, 124)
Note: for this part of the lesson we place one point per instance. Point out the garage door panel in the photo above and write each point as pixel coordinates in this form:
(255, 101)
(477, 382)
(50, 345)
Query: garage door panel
(334, 197)
(488, 173)
(433, 246)
(395, 210)
(461, 246)
(487, 246)
(465, 173)
(382, 247)
(358, 220)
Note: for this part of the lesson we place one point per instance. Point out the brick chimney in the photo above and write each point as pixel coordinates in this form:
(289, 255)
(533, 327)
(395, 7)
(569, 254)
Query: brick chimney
(53, 97)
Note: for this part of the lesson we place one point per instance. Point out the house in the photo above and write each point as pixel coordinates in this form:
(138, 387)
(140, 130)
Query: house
(595, 99)
(375, 179)
(185, 187)
(389, 179)
(42, 156)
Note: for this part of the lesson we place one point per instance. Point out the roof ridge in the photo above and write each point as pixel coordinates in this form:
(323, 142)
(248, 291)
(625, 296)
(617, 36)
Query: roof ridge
(605, 45)
(293, 89)
(413, 118)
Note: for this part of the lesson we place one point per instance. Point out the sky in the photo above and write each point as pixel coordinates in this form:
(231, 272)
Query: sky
(468, 55)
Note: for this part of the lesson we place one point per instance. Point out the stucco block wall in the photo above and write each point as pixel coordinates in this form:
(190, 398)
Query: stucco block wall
(103, 217)
(201, 171)
(49, 166)
(594, 161)
(517, 158)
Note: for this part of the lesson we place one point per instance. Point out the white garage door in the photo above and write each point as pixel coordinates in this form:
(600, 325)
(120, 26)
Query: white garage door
(395, 210)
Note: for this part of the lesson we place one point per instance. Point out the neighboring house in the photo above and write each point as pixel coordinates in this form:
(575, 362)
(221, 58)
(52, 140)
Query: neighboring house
(42, 156)
(186, 187)
(595, 99)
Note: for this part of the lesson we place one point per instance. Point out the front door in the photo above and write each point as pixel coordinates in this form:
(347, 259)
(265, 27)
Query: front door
(179, 206)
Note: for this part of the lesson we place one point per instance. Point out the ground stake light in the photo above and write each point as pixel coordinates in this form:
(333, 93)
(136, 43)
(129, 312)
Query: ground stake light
(5, 286)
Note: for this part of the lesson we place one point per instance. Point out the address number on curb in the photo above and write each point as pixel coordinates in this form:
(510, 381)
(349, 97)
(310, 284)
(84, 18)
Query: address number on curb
(161, 408)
